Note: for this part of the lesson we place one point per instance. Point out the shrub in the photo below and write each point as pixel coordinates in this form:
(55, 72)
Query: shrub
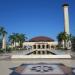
(2, 50)
(8, 50)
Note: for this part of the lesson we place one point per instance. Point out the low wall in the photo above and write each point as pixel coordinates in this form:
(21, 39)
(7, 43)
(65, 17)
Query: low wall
(39, 56)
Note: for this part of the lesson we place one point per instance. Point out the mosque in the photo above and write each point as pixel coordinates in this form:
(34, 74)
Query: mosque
(46, 43)
(43, 44)
(40, 44)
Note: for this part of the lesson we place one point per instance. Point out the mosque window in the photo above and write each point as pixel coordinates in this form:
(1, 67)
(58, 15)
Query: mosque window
(34, 46)
(43, 46)
(39, 52)
(39, 46)
(47, 46)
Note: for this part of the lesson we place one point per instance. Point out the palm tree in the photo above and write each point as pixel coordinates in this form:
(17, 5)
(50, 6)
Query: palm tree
(17, 37)
(21, 38)
(3, 33)
(63, 38)
(13, 39)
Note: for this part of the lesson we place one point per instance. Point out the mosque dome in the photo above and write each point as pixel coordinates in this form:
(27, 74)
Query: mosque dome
(41, 39)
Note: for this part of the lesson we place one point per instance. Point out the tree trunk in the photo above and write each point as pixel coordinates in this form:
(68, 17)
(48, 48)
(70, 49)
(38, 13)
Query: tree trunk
(14, 44)
(4, 42)
(66, 44)
(63, 44)
(19, 43)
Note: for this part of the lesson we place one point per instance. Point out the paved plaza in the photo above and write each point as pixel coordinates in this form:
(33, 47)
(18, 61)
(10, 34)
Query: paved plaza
(37, 54)
(7, 66)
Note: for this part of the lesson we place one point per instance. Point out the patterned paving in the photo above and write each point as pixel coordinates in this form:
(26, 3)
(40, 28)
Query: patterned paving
(42, 69)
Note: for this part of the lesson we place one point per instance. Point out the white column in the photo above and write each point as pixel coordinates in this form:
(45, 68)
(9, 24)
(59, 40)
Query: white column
(41, 46)
(66, 19)
(41, 52)
(36, 53)
(45, 50)
(50, 46)
(37, 48)
(32, 47)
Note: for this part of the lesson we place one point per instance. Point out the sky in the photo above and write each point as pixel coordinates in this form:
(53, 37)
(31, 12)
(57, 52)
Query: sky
(36, 17)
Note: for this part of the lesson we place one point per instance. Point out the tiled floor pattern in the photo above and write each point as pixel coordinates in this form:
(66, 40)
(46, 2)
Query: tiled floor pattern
(42, 69)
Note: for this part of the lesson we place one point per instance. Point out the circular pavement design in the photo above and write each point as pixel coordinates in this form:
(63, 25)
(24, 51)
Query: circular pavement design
(42, 69)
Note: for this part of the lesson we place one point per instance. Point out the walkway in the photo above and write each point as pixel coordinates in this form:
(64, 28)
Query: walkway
(7, 66)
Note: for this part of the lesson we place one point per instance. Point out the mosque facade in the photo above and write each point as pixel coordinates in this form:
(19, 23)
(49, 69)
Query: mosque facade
(40, 45)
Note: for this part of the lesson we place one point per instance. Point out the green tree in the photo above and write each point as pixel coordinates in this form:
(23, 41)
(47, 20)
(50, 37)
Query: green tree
(13, 39)
(21, 38)
(17, 37)
(3, 34)
(63, 38)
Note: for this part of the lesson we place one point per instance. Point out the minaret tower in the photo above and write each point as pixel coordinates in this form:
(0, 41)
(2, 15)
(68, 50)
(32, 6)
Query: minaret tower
(66, 18)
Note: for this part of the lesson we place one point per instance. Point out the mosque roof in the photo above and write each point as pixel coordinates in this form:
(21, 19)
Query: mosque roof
(41, 39)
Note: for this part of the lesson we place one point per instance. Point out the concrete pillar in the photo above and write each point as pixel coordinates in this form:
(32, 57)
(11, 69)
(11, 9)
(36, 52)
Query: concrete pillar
(50, 46)
(32, 47)
(41, 46)
(40, 52)
(45, 46)
(36, 47)
(66, 18)
(45, 49)
(36, 53)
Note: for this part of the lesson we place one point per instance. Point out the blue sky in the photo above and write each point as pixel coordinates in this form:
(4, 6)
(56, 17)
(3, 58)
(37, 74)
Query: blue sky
(36, 17)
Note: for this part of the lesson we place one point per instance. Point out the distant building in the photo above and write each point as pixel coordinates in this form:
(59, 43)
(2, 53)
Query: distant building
(40, 43)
